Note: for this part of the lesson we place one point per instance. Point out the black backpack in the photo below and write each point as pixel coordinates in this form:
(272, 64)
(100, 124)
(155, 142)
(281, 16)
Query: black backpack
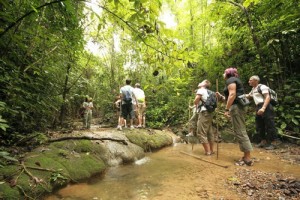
(273, 95)
(211, 101)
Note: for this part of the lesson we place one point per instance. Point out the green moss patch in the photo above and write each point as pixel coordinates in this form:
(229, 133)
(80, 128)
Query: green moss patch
(150, 141)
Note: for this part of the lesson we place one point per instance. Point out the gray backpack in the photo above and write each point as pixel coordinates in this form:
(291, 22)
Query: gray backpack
(273, 95)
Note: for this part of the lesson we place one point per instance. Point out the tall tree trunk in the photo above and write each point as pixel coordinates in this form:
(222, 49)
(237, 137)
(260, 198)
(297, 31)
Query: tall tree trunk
(112, 65)
(63, 107)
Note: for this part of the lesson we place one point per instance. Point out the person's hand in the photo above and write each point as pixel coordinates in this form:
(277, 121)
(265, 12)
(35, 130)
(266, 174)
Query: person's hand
(227, 114)
(261, 111)
(220, 96)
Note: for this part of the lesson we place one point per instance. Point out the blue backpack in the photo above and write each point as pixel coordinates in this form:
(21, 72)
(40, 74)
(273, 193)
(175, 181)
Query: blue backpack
(127, 97)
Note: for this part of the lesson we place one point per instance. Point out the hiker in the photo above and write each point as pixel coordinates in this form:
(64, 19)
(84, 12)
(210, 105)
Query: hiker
(236, 112)
(193, 120)
(205, 131)
(141, 102)
(88, 106)
(264, 117)
(118, 109)
(126, 93)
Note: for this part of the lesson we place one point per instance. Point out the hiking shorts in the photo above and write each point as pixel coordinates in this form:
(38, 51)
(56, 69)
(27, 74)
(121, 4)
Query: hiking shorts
(141, 109)
(127, 110)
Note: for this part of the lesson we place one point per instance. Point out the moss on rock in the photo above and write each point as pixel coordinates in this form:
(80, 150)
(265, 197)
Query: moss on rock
(153, 140)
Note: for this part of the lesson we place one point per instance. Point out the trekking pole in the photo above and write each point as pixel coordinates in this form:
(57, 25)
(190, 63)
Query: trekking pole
(189, 126)
(217, 88)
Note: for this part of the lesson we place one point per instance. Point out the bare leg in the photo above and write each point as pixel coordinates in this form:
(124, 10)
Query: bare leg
(206, 148)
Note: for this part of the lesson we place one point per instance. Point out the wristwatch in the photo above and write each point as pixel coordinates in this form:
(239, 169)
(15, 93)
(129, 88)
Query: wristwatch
(226, 110)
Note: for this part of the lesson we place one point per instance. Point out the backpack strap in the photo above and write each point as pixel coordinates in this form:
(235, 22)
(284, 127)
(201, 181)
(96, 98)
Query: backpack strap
(259, 89)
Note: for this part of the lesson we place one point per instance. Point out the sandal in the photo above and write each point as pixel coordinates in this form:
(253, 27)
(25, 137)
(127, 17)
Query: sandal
(240, 163)
(249, 163)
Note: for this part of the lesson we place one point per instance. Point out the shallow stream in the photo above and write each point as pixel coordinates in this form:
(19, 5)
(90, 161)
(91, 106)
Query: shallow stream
(170, 174)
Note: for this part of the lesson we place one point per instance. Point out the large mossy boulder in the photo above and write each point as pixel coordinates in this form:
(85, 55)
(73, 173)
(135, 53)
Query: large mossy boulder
(59, 163)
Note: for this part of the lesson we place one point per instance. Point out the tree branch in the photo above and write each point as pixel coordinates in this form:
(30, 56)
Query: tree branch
(27, 14)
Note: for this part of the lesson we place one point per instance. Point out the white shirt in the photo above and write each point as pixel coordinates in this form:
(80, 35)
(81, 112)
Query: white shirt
(126, 88)
(139, 95)
(257, 97)
(204, 94)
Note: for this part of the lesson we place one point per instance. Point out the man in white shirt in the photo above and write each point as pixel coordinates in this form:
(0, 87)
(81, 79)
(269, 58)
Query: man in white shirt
(264, 118)
(140, 105)
(126, 93)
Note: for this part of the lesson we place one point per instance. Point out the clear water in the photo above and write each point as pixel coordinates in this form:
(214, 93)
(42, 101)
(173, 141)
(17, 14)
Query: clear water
(169, 174)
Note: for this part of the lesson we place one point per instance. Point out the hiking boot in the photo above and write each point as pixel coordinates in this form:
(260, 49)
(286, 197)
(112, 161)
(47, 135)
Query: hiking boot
(269, 147)
(119, 128)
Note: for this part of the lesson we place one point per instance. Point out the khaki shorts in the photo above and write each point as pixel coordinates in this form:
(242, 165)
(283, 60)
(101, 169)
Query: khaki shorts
(141, 109)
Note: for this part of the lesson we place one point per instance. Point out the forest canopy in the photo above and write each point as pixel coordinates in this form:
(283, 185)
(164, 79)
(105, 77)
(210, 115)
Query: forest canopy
(54, 53)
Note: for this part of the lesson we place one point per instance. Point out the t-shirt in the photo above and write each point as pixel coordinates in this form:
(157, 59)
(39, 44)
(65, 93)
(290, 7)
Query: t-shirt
(123, 91)
(257, 97)
(139, 95)
(87, 106)
(204, 94)
(239, 88)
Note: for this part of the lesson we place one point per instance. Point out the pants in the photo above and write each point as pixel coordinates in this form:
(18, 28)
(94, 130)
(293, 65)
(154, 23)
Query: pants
(237, 113)
(265, 124)
(87, 119)
(127, 110)
(205, 131)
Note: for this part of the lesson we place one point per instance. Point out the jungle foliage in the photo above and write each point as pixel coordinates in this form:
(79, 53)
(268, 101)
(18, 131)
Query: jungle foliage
(48, 64)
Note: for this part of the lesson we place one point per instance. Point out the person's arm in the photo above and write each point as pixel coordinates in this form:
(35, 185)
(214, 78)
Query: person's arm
(267, 100)
(249, 95)
(136, 101)
(231, 97)
(220, 97)
(197, 99)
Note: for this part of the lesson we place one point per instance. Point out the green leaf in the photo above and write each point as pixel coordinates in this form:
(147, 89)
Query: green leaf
(295, 121)
(283, 125)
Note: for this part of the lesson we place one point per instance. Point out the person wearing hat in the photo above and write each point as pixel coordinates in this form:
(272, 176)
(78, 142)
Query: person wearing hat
(140, 105)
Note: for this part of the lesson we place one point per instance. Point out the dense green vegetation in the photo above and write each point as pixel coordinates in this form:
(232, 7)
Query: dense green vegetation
(47, 69)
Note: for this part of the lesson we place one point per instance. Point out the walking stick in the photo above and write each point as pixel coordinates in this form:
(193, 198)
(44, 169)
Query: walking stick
(217, 87)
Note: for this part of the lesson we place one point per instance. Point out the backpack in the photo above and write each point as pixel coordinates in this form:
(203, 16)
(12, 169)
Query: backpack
(211, 102)
(273, 95)
(127, 97)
